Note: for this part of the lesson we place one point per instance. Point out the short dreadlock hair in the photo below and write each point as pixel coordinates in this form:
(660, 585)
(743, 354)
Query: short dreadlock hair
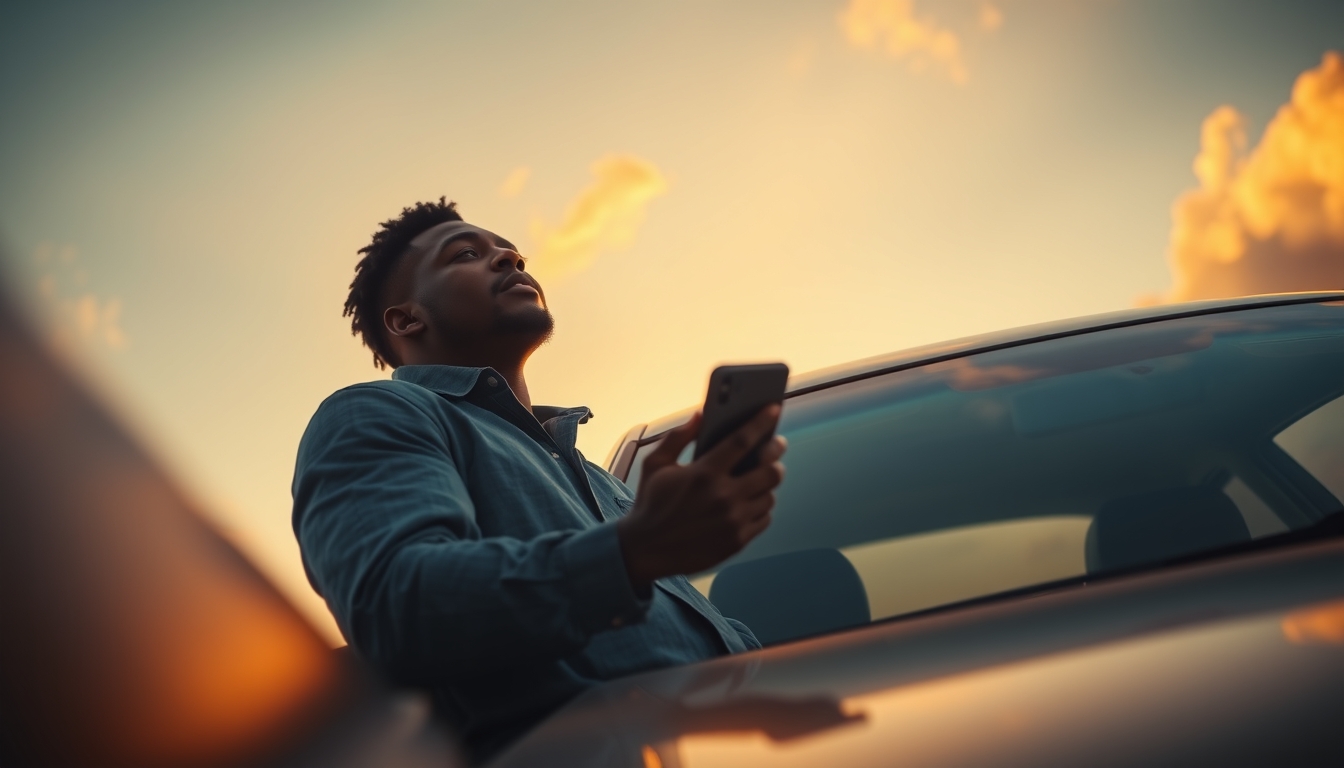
(364, 306)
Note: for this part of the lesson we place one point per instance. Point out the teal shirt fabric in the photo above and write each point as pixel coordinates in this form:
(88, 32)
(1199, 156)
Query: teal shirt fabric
(466, 547)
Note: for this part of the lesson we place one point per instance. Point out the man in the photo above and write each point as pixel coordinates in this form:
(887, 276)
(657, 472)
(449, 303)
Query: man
(461, 541)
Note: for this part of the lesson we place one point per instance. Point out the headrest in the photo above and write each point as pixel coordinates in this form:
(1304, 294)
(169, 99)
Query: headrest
(1161, 525)
(792, 595)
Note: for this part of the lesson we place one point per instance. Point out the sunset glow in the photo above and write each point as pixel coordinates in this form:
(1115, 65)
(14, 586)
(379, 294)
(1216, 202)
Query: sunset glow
(183, 189)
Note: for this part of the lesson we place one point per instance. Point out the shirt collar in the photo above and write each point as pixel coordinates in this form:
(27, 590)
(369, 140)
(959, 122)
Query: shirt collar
(458, 381)
(453, 380)
(545, 413)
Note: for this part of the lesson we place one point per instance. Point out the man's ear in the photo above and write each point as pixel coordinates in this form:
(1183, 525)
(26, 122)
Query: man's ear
(400, 320)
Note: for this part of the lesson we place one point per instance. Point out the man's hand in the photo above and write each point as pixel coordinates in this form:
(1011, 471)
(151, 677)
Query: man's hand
(691, 517)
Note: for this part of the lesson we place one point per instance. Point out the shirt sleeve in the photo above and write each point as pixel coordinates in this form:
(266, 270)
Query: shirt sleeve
(744, 632)
(388, 535)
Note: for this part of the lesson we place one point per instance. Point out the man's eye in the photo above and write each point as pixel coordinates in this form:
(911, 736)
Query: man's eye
(466, 253)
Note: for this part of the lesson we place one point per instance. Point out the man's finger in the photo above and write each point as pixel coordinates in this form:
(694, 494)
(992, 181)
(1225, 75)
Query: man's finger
(754, 528)
(671, 446)
(739, 443)
(774, 449)
(759, 480)
(749, 509)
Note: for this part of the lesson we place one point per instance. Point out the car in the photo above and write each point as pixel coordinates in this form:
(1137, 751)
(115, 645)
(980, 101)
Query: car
(1107, 541)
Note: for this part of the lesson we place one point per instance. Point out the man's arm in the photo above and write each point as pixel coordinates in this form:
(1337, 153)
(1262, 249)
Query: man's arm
(389, 538)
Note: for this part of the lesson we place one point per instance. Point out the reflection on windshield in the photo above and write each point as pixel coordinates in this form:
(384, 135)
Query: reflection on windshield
(1316, 441)
(1071, 355)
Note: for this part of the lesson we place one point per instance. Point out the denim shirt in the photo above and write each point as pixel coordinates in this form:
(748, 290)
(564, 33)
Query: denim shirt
(466, 547)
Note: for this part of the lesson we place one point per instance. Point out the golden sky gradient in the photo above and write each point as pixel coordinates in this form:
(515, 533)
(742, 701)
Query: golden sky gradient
(183, 188)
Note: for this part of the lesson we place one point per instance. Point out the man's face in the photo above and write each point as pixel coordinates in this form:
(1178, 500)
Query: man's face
(471, 288)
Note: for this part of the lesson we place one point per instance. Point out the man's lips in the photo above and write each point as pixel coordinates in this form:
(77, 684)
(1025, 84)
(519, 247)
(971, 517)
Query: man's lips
(518, 282)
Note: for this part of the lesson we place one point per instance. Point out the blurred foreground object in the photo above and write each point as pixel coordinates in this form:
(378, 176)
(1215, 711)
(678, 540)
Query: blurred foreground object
(133, 633)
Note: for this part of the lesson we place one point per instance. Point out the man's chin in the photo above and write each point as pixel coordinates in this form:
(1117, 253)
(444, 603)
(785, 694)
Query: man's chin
(535, 322)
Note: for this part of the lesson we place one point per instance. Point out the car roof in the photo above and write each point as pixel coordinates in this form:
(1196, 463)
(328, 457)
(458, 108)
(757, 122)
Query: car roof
(922, 355)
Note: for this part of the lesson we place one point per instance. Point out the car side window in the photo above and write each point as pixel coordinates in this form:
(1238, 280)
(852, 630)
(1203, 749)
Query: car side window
(904, 574)
(1107, 451)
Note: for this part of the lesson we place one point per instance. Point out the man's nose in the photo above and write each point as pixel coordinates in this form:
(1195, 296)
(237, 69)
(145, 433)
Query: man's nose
(506, 258)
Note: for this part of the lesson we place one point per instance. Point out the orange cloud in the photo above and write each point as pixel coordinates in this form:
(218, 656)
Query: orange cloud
(893, 27)
(514, 183)
(606, 215)
(1271, 220)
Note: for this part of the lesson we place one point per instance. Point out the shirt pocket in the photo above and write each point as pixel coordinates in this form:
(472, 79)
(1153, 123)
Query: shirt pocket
(623, 505)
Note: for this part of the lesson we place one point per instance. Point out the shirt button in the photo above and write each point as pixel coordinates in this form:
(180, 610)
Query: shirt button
(492, 381)
(554, 455)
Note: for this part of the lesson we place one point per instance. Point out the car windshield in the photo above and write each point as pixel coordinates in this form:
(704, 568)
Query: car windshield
(1104, 451)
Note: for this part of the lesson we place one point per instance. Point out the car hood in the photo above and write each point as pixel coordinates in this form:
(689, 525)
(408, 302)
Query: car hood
(1238, 661)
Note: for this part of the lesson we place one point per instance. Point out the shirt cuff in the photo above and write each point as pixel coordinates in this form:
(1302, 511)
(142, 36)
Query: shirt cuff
(603, 597)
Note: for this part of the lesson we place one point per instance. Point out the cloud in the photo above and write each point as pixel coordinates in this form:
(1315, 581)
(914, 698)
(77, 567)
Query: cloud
(77, 317)
(514, 183)
(893, 27)
(1272, 219)
(991, 17)
(605, 216)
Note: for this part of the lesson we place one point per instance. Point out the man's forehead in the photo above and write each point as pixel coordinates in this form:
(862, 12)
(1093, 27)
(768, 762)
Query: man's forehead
(429, 243)
(439, 232)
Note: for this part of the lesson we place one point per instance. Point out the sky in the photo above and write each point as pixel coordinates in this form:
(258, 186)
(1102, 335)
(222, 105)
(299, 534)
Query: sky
(184, 186)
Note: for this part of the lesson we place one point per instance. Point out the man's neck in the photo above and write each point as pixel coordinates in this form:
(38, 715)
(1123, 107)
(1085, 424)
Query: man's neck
(514, 376)
(510, 367)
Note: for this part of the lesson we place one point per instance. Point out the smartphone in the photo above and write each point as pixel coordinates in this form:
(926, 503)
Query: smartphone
(737, 393)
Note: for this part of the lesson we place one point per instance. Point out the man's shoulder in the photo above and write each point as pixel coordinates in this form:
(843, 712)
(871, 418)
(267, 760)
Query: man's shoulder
(382, 390)
(384, 398)
(374, 410)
